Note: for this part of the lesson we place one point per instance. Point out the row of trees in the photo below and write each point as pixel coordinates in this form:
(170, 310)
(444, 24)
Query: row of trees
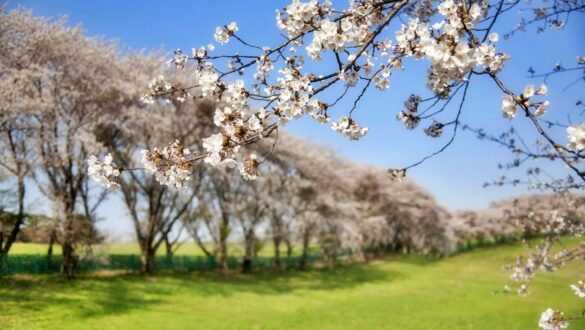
(518, 218)
(67, 96)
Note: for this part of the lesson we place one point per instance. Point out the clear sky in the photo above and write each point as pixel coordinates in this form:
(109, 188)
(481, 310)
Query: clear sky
(454, 177)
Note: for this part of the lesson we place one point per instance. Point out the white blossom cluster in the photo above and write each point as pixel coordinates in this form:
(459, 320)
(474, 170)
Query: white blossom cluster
(263, 67)
(553, 320)
(104, 172)
(160, 88)
(362, 54)
(452, 56)
(156, 87)
(523, 271)
(435, 129)
(346, 126)
(249, 167)
(292, 96)
(170, 166)
(510, 103)
(576, 137)
(223, 34)
(295, 92)
(207, 79)
(409, 117)
(219, 151)
(300, 17)
(179, 60)
(579, 289)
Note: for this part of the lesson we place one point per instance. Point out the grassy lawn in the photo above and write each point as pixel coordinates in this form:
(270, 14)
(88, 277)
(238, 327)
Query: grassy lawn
(132, 248)
(397, 293)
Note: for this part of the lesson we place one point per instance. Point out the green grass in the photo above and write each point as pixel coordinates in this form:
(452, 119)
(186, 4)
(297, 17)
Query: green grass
(396, 293)
(132, 248)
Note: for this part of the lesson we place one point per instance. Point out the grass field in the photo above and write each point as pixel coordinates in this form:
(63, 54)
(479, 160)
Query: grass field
(132, 248)
(396, 293)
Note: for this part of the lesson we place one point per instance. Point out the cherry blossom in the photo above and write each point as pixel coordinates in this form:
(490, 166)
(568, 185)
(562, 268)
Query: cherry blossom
(104, 172)
(579, 289)
(349, 128)
(576, 137)
(171, 166)
(509, 107)
(552, 320)
(223, 34)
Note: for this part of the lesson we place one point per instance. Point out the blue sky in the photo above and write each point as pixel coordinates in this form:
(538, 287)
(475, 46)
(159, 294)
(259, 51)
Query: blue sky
(454, 177)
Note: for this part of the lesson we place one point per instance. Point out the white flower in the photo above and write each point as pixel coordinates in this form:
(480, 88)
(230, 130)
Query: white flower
(199, 53)
(217, 153)
(207, 78)
(349, 128)
(509, 108)
(579, 289)
(381, 83)
(323, 119)
(157, 87)
(300, 16)
(179, 60)
(543, 90)
(249, 167)
(475, 11)
(552, 320)
(103, 172)
(351, 78)
(255, 121)
(528, 91)
(170, 166)
(148, 161)
(576, 137)
(214, 143)
(542, 109)
(223, 34)
(494, 37)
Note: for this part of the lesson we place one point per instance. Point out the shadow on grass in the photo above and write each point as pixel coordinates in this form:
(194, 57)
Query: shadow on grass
(97, 295)
(270, 282)
(413, 259)
(85, 296)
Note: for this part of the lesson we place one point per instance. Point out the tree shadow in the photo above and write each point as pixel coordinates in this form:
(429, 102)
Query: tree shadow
(414, 259)
(86, 296)
(273, 282)
(98, 295)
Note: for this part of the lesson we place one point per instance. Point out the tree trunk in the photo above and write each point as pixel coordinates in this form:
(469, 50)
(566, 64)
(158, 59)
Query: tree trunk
(364, 253)
(289, 248)
(68, 252)
(52, 240)
(276, 241)
(147, 260)
(168, 247)
(2, 262)
(5, 246)
(333, 262)
(223, 248)
(248, 251)
(223, 257)
(201, 244)
(305, 255)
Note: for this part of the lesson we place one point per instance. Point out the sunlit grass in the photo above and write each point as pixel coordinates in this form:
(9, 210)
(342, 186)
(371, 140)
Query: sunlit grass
(401, 292)
(190, 249)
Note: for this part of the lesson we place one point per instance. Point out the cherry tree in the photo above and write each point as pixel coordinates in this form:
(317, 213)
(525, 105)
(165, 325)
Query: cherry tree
(58, 85)
(155, 209)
